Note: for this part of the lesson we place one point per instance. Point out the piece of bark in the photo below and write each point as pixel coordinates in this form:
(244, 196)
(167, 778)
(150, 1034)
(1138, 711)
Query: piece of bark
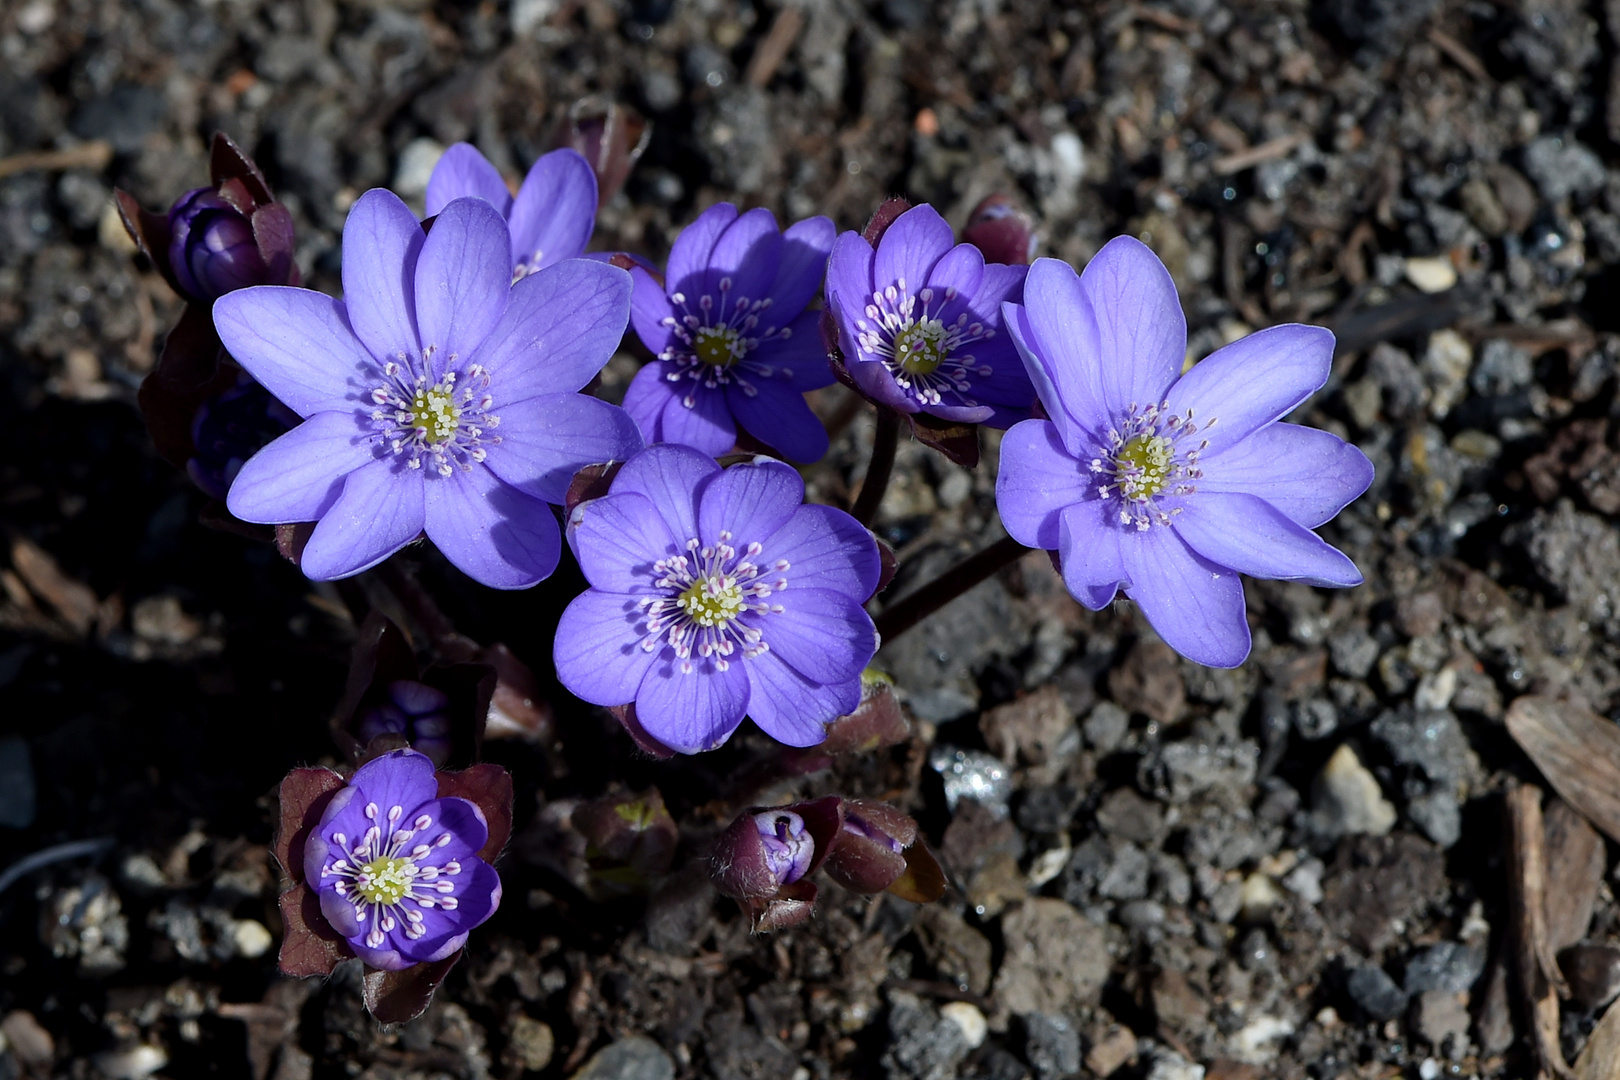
(1575, 861)
(1578, 752)
(1540, 983)
(1600, 1058)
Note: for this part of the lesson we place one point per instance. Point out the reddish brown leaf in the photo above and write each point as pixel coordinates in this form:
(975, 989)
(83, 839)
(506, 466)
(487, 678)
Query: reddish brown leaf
(309, 945)
(959, 442)
(887, 565)
(516, 709)
(823, 818)
(151, 234)
(393, 997)
(226, 161)
(626, 715)
(489, 787)
(189, 371)
(882, 218)
(290, 540)
(790, 907)
(591, 482)
(382, 653)
(923, 882)
(609, 135)
(304, 795)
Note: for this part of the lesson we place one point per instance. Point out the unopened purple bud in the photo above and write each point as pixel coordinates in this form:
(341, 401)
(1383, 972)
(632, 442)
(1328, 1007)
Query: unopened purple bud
(762, 851)
(417, 700)
(1002, 231)
(384, 719)
(230, 428)
(866, 857)
(788, 847)
(415, 710)
(212, 250)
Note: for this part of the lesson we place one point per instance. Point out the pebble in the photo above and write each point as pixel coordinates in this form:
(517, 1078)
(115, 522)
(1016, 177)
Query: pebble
(135, 1063)
(1593, 973)
(1449, 965)
(1256, 1042)
(251, 938)
(1431, 275)
(531, 1043)
(972, 774)
(635, 1058)
(1348, 799)
(1051, 1045)
(18, 801)
(415, 166)
(1055, 959)
(31, 1043)
(1111, 1050)
(1438, 1015)
(1375, 993)
(1105, 727)
(1169, 1065)
(966, 1016)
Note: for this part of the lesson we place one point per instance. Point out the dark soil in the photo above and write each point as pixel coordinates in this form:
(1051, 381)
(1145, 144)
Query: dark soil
(1292, 869)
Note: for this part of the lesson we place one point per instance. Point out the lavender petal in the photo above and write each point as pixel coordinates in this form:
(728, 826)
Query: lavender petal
(463, 172)
(1308, 474)
(1037, 480)
(463, 281)
(555, 210)
(1248, 534)
(300, 475)
(597, 649)
(561, 327)
(546, 440)
(492, 532)
(298, 345)
(1242, 387)
(1195, 605)
(380, 511)
(382, 241)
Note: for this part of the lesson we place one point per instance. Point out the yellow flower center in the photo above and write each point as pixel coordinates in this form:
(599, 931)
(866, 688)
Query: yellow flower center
(709, 604)
(434, 410)
(1143, 465)
(717, 346)
(920, 347)
(384, 880)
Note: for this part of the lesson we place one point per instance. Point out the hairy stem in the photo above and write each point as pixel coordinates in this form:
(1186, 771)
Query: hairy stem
(881, 465)
(924, 601)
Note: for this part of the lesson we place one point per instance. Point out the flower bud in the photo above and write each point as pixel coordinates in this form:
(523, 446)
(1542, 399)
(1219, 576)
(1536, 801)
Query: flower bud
(1003, 232)
(230, 428)
(867, 855)
(760, 853)
(414, 710)
(633, 831)
(611, 136)
(212, 250)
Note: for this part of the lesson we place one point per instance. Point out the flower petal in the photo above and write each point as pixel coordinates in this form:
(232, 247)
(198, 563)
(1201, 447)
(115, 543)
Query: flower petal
(849, 274)
(909, 249)
(649, 308)
(546, 440)
(381, 243)
(796, 355)
(380, 511)
(646, 398)
(805, 247)
(561, 326)
(823, 635)
(298, 345)
(300, 475)
(689, 255)
(1196, 606)
(402, 778)
(1239, 388)
(459, 818)
(792, 709)
(597, 649)
(825, 548)
(960, 269)
(693, 712)
(1308, 474)
(1037, 479)
(697, 416)
(1090, 543)
(463, 172)
(1062, 379)
(616, 539)
(778, 416)
(492, 532)
(463, 280)
(750, 501)
(746, 255)
(555, 210)
(1141, 331)
(672, 478)
(1248, 534)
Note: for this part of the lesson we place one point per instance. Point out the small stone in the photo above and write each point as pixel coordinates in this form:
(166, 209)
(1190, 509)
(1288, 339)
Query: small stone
(1375, 993)
(923, 1044)
(1431, 275)
(1126, 815)
(1563, 167)
(960, 954)
(530, 1043)
(1149, 682)
(415, 166)
(967, 1017)
(1502, 368)
(1260, 895)
(1255, 1043)
(1449, 965)
(1111, 1051)
(1592, 971)
(635, 1058)
(1445, 365)
(31, 1043)
(135, 1063)
(972, 774)
(1315, 718)
(1051, 1045)
(1027, 731)
(1484, 209)
(251, 938)
(1177, 1004)
(1354, 653)
(1105, 727)
(1055, 959)
(1169, 1065)
(1348, 800)
(1437, 1015)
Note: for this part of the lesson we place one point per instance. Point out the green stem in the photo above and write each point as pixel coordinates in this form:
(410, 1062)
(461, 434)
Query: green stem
(920, 603)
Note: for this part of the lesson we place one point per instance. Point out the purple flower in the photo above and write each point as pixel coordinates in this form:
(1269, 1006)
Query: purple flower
(554, 212)
(762, 851)
(715, 594)
(415, 710)
(396, 868)
(436, 395)
(229, 429)
(1167, 485)
(213, 250)
(919, 323)
(735, 345)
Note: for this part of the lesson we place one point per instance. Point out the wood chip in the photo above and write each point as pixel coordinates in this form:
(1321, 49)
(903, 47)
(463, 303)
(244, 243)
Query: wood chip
(74, 601)
(1459, 55)
(93, 155)
(1575, 860)
(1269, 150)
(1540, 983)
(773, 49)
(1600, 1058)
(1578, 752)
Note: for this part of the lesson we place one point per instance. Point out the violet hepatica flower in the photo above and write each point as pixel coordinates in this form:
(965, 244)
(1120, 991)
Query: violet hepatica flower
(550, 219)
(735, 346)
(395, 867)
(437, 395)
(919, 322)
(1165, 485)
(716, 594)
(213, 250)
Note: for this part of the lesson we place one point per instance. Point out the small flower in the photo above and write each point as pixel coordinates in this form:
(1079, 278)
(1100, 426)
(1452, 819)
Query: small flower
(229, 429)
(760, 852)
(395, 867)
(550, 220)
(735, 345)
(436, 394)
(417, 711)
(1167, 485)
(919, 323)
(717, 594)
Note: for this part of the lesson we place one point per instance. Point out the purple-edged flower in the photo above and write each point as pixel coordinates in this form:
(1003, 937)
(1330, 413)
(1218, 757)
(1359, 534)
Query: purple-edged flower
(1162, 484)
(417, 711)
(919, 323)
(212, 249)
(437, 395)
(716, 594)
(735, 345)
(229, 429)
(396, 868)
(550, 219)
